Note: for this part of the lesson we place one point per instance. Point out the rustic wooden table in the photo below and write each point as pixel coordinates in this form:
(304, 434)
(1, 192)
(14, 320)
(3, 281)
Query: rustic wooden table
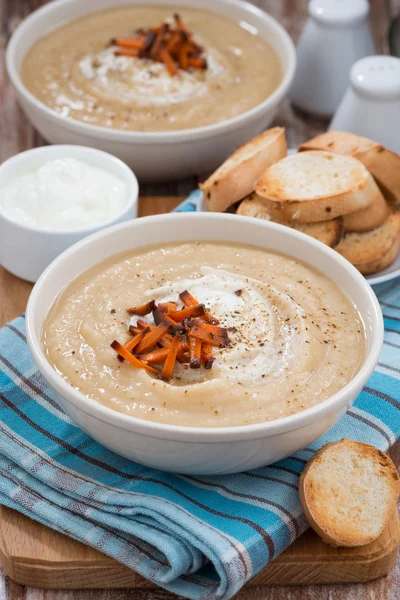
(16, 135)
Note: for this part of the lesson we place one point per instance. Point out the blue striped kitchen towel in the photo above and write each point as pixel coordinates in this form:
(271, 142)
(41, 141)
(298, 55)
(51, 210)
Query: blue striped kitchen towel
(201, 537)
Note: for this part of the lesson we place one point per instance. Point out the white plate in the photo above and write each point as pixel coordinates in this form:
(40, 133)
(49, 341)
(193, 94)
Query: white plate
(387, 274)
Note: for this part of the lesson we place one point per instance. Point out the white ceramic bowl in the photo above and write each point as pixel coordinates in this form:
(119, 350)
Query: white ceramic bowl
(160, 155)
(195, 449)
(26, 251)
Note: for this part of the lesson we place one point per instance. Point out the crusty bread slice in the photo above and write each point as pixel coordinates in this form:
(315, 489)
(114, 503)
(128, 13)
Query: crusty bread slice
(237, 176)
(383, 164)
(348, 492)
(380, 263)
(327, 232)
(373, 250)
(339, 142)
(316, 186)
(368, 218)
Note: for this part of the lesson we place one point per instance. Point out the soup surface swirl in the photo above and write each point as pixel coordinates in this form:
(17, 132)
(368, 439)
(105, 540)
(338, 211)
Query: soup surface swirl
(295, 338)
(75, 71)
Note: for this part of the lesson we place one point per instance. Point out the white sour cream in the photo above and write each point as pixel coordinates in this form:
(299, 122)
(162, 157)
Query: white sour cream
(63, 194)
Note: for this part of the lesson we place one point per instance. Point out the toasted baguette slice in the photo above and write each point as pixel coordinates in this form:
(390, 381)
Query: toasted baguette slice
(374, 250)
(380, 263)
(237, 176)
(327, 232)
(383, 164)
(368, 218)
(348, 492)
(316, 186)
(339, 142)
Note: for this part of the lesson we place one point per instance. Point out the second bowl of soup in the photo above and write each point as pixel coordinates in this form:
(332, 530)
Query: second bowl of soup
(160, 103)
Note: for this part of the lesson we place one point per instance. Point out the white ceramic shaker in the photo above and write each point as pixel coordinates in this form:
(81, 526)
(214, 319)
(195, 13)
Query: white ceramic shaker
(371, 105)
(335, 36)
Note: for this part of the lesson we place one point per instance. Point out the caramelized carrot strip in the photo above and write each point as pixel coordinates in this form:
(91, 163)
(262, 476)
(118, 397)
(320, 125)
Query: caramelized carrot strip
(179, 22)
(208, 337)
(135, 362)
(167, 307)
(143, 309)
(159, 317)
(156, 356)
(186, 313)
(159, 355)
(175, 40)
(141, 323)
(150, 36)
(197, 63)
(158, 42)
(189, 300)
(194, 352)
(137, 336)
(183, 348)
(174, 324)
(194, 49)
(168, 61)
(169, 364)
(207, 357)
(130, 344)
(183, 352)
(153, 337)
(210, 319)
(165, 341)
(139, 42)
(212, 334)
(134, 330)
(188, 51)
(134, 52)
(212, 328)
(183, 57)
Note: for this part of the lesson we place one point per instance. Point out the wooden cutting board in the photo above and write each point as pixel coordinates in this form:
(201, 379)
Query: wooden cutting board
(36, 556)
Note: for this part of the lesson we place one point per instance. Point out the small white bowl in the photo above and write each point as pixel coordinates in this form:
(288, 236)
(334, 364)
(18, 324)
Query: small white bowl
(194, 449)
(152, 155)
(26, 251)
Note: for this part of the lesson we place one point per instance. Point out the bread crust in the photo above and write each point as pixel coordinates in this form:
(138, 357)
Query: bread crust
(367, 251)
(381, 263)
(383, 164)
(368, 218)
(327, 232)
(237, 176)
(325, 515)
(351, 190)
(339, 142)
